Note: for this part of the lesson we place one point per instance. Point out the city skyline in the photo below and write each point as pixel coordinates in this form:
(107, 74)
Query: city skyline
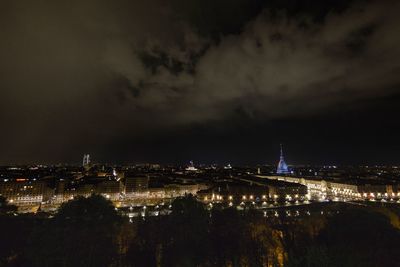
(268, 157)
(207, 133)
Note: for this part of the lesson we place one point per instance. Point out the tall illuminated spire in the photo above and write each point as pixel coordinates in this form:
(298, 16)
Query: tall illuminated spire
(282, 166)
(86, 160)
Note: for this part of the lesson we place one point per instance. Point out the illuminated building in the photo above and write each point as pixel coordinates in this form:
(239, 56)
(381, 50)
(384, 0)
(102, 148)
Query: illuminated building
(110, 189)
(85, 190)
(86, 160)
(177, 190)
(191, 167)
(282, 166)
(280, 190)
(228, 167)
(233, 192)
(345, 189)
(136, 184)
(24, 192)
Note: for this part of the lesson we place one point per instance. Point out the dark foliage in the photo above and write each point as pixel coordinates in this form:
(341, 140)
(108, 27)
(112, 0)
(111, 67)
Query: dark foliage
(6, 207)
(356, 237)
(89, 232)
(82, 233)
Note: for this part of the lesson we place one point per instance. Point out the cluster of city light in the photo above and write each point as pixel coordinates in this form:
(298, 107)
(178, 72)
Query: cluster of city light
(144, 211)
(244, 197)
(321, 190)
(290, 198)
(26, 199)
(253, 198)
(230, 197)
(216, 197)
(380, 195)
(365, 195)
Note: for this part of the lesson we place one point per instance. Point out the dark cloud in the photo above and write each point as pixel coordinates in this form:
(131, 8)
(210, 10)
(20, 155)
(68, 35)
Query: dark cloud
(93, 76)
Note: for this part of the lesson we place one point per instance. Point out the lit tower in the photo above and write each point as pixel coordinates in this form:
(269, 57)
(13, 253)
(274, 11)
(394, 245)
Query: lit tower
(282, 166)
(86, 160)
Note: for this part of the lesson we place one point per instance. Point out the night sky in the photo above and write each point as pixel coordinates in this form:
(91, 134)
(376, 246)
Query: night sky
(214, 81)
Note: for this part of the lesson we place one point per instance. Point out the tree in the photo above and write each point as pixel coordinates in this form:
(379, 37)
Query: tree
(5, 207)
(82, 233)
(181, 239)
(186, 234)
(361, 238)
(355, 237)
(227, 234)
(12, 230)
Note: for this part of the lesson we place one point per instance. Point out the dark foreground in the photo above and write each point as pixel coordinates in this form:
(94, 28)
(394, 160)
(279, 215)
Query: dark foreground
(90, 232)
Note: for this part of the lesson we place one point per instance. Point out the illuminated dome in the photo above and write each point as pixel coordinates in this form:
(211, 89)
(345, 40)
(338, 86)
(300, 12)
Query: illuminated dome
(191, 167)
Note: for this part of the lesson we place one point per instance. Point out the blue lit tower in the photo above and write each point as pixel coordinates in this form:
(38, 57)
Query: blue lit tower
(282, 166)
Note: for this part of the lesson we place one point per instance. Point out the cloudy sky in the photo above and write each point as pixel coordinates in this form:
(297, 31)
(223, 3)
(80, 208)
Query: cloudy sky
(209, 80)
